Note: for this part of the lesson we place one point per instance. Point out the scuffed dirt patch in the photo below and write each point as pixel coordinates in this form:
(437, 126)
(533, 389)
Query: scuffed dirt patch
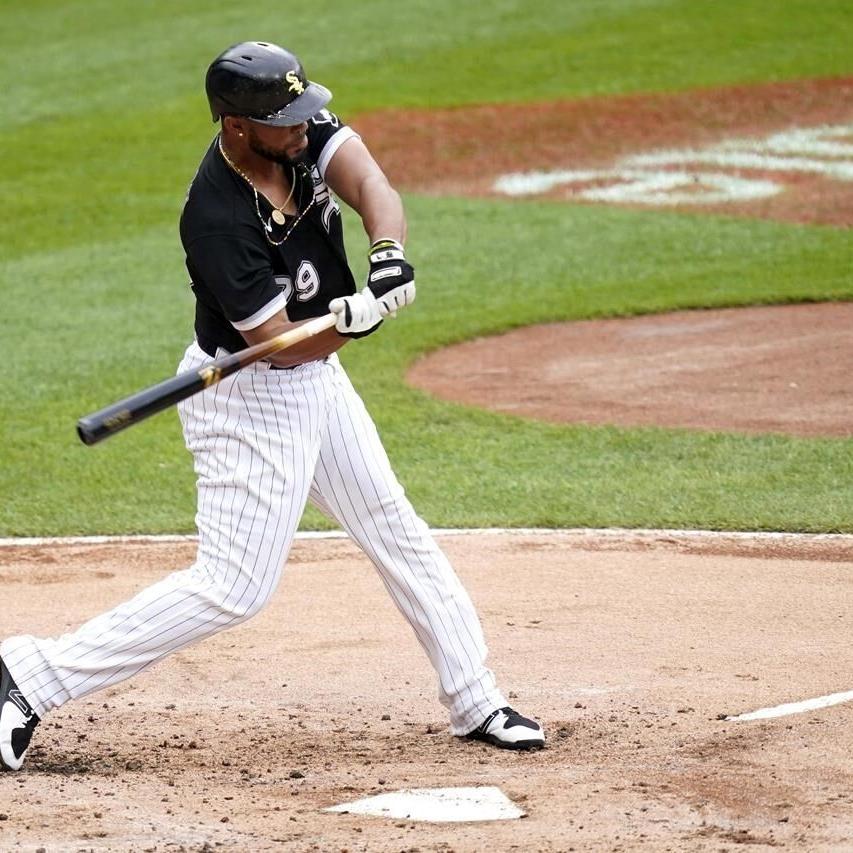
(462, 151)
(782, 368)
(627, 646)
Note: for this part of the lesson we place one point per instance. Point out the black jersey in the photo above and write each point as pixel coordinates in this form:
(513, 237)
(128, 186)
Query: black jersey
(239, 277)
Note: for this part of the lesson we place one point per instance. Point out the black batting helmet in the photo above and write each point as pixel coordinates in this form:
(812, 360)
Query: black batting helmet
(263, 82)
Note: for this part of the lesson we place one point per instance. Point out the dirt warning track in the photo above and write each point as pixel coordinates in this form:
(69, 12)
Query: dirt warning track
(629, 648)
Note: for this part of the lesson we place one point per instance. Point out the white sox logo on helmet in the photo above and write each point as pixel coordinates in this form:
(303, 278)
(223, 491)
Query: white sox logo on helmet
(296, 84)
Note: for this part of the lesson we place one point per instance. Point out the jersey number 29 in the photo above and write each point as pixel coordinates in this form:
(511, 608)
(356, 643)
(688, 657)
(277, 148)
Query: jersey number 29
(307, 282)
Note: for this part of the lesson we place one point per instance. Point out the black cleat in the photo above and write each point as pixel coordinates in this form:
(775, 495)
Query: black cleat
(509, 730)
(17, 722)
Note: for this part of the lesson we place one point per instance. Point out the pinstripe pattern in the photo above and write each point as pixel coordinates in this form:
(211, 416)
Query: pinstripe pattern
(354, 483)
(262, 442)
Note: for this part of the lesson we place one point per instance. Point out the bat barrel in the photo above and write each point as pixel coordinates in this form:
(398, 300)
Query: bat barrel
(97, 426)
(106, 422)
(100, 425)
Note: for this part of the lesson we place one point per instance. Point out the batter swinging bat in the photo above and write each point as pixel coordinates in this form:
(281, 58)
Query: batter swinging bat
(100, 425)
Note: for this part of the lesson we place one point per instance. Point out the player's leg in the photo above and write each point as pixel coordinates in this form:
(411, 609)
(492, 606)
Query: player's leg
(255, 443)
(354, 482)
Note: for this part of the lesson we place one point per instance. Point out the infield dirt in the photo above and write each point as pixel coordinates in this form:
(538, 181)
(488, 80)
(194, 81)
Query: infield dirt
(629, 648)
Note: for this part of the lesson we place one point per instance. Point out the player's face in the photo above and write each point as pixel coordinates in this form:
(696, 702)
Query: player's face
(279, 144)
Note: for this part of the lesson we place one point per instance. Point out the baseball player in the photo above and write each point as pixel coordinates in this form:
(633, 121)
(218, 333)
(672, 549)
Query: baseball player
(264, 248)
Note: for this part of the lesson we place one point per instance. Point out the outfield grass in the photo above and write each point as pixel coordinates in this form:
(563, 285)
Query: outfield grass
(102, 134)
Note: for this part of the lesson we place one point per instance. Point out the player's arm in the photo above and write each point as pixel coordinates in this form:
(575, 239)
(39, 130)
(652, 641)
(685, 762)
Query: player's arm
(316, 347)
(238, 273)
(355, 177)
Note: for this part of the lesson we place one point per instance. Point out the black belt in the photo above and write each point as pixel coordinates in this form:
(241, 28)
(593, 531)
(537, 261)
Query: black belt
(210, 349)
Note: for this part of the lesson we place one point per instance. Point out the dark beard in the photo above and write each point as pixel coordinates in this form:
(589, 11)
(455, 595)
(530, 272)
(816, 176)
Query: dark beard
(279, 157)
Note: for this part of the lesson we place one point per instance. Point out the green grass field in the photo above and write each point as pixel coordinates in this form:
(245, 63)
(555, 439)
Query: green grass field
(104, 123)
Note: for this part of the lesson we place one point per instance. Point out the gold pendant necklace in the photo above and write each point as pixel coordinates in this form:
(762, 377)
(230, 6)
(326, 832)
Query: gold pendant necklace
(277, 214)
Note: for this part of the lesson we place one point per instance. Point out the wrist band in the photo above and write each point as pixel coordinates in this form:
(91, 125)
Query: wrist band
(385, 243)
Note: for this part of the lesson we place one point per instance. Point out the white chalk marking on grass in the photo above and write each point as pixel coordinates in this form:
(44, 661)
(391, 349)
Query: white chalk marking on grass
(27, 541)
(642, 186)
(743, 159)
(809, 141)
(140, 539)
(794, 707)
(532, 183)
(661, 188)
(618, 533)
(436, 805)
(648, 178)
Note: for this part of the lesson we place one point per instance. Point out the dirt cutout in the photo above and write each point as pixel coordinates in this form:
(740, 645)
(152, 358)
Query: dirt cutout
(629, 648)
(783, 369)
(778, 150)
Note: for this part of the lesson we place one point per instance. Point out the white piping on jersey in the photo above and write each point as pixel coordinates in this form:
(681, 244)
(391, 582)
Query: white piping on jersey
(332, 146)
(276, 304)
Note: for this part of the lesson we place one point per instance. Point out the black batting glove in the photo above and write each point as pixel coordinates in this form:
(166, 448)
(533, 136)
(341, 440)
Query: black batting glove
(391, 278)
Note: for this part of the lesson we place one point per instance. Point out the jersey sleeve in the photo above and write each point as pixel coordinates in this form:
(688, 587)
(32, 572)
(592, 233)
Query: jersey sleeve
(326, 133)
(238, 273)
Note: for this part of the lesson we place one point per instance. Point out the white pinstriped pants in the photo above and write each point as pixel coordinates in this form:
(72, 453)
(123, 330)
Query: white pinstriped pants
(264, 442)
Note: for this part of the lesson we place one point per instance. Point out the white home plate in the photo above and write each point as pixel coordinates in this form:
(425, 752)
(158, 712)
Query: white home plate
(439, 805)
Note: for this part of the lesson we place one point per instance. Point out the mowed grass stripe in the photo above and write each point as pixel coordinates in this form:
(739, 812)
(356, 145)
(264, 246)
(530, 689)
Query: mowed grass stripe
(85, 56)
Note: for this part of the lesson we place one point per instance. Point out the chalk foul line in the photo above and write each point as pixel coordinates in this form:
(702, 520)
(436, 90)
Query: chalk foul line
(615, 533)
(793, 707)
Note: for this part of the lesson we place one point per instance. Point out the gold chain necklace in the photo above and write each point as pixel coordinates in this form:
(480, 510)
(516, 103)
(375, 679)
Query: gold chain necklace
(277, 215)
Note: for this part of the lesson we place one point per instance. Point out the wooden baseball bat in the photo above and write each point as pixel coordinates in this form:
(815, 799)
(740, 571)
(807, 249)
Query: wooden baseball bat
(106, 422)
